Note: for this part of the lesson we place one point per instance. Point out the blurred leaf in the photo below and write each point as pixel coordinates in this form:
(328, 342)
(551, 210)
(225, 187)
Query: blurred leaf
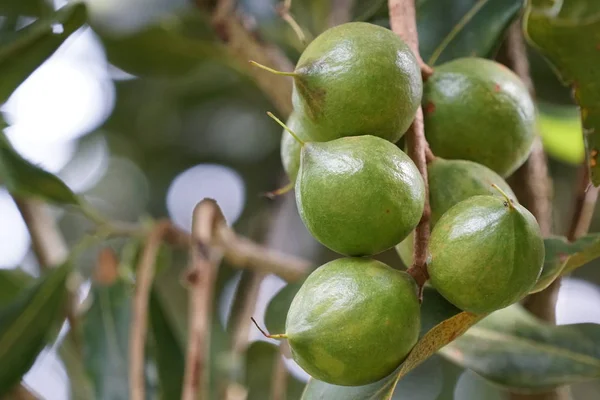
(450, 29)
(169, 352)
(472, 386)
(25, 179)
(173, 46)
(563, 257)
(27, 323)
(278, 307)
(365, 10)
(25, 7)
(34, 44)
(12, 282)
(560, 128)
(512, 348)
(446, 322)
(106, 339)
(567, 33)
(261, 361)
(80, 385)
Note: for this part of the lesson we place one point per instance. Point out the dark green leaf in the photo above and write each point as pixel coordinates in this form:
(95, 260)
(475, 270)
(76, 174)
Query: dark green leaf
(106, 338)
(569, 37)
(450, 29)
(12, 282)
(34, 44)
(278, 307)
(447, 324)
(512, 348)
(563, 257)
(27, 324)
(261, 362)
(22, 178)
(25, 7)
(171, 47)
(80, 384)
(168, 350)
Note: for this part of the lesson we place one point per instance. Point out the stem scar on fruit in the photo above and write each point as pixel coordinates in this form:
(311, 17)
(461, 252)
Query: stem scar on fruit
(265, 334)
(509, 201)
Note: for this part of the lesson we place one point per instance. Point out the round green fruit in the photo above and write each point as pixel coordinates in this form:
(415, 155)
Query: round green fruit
(357, 79)
(290, 147)
(358, 195)
(450, 182)
(479, 110)
(353, 321)
(487, 252)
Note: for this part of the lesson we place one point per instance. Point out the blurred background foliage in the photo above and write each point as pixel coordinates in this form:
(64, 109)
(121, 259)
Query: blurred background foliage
(144, 112)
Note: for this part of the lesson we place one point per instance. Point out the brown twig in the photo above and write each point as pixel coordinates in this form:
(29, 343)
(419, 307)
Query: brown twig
(139, 320)
(534, 189)
(205, 258)
(341, 12)
(585, 204)
(280, 375)
(403, 22)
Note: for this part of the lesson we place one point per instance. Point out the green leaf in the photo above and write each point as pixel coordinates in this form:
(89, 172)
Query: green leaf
(27, 324)
(563, 257)
(567, 33)
(22, 178)
(12, 282)
(25, 7)
(560, 129)
(106, 338)
(512, 348)
(168, 351)
(450, 29)
(441, 324)
(34, 44)
(278, 307)
(261, 362)
(173, 46)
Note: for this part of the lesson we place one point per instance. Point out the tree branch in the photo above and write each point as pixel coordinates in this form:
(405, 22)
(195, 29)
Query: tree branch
(139, 320)
(403, 22)
(585, 204)
(205, 260)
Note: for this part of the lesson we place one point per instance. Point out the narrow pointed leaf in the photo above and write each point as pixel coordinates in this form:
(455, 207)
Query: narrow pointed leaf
(441, 324)
(28, 322)
(514, 349)
(106, 340)
(24, 179)
(34, 44)
(12, 282)
(567, 33)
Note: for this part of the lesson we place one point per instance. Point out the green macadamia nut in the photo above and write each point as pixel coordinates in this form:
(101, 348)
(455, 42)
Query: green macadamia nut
(290, 147)
(477, 109)
(353, 321)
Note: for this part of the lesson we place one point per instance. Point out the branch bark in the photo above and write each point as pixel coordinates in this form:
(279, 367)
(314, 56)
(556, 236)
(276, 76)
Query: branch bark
(585, 204)
(403, 22)
(205, 260)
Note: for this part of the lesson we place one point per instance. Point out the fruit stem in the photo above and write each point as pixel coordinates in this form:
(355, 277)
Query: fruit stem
(265, 334)
(280, 191)
(284, 126)
(509, 201)
(271, 70)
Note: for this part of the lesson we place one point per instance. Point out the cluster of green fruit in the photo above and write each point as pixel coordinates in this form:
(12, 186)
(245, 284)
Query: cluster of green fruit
(357, 88)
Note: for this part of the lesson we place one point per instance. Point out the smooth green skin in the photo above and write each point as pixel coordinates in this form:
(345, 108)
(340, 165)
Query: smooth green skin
(353, 321)
(358, 195)
(450, 182)
(479, 110)
(290, 147)
(485, 255)
(358, 79)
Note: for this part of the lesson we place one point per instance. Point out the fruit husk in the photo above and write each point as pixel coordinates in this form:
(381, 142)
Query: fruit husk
(486, 254)
(358, 79)
(353, 321)
(450, 182)
(358, 195)
(477, 109)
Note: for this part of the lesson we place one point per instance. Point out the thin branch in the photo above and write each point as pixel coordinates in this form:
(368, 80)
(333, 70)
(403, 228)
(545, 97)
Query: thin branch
(585, 204)
(280, 375)
(139, 320)
(341, 12)
(403, 22)
(205, 259)
(243, 309)
(20, 392)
